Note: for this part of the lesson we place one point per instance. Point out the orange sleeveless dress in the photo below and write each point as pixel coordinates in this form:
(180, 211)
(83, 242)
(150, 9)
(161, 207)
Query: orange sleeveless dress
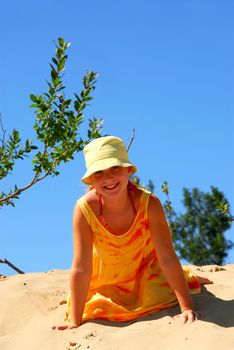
(127, 281)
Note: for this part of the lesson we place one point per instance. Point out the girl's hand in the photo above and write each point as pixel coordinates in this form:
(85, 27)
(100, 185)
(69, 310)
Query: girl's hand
(67, 326)
(187, 316)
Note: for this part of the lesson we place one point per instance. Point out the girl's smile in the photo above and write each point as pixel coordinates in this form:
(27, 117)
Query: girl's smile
(111, 187)
(111, 180)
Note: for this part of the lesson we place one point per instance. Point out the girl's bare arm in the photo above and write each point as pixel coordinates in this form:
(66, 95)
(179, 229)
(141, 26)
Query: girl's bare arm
(169, 263)
(81, 270)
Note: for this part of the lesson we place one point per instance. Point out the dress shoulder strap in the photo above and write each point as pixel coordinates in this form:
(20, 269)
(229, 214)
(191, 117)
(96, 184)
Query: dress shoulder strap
(143, 206)
(86, 210)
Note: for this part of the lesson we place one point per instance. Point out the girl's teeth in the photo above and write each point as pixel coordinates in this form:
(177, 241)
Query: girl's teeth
(111, 187)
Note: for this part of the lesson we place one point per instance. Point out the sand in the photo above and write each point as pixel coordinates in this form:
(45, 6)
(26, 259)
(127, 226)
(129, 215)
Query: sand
(32, 303)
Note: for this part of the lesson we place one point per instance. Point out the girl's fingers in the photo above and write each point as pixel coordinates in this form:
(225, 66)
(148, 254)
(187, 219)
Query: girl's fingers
(187, 316)
(191, 317)
(60, 328)
(204, 280)
(64, 327)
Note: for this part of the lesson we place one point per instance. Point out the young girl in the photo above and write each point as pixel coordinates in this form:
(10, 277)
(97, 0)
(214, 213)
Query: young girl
(124, 264)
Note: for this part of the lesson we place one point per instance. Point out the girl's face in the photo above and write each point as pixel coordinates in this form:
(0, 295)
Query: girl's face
(111, 181)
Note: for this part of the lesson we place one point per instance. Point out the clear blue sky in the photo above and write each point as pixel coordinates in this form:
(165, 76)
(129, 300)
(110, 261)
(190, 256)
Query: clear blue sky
(165, 68)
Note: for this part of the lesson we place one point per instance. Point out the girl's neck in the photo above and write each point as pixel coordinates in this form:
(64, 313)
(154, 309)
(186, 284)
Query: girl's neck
(117, 204)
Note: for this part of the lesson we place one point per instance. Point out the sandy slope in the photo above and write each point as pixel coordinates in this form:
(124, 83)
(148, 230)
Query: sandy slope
(30, 304)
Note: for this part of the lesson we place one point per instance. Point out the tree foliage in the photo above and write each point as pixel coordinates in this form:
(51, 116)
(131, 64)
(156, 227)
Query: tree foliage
(199, 232)
(57, 124)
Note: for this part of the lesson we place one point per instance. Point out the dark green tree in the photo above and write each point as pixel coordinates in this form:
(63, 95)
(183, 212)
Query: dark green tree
(199, 233)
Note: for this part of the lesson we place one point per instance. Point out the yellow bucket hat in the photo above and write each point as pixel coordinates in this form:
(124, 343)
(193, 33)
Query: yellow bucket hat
(103, 153)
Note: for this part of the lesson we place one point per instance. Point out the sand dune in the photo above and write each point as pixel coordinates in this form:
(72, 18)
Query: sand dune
(30, 304)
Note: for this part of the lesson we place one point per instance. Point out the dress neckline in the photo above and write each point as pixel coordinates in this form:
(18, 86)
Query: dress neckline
(102, 218)
(112, 233)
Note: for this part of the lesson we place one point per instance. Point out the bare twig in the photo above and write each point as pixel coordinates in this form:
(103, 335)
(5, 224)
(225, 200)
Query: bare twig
(132, 138)
(3, 130)
(5, 261)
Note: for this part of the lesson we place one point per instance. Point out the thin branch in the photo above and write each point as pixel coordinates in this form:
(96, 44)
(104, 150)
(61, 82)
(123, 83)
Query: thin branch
(16, 193)
(5, 261)
(3, 130)
(34, 180)
(132, 138)
(43, 177)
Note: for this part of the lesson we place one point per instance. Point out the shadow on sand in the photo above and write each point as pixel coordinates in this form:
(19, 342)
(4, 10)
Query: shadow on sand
(210, 308)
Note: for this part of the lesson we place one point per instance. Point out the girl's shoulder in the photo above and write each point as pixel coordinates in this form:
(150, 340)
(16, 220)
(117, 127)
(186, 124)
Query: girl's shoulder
(156, 212)
(92, 199)
(91, 196)
(85, 205)
(136, 194)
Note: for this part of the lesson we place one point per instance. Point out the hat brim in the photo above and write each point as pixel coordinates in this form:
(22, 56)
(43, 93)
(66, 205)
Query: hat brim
(104, 164)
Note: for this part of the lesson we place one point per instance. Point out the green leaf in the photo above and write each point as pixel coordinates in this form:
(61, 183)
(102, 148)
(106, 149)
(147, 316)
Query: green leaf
(77, 106)
(56, 82)
(82, 106)
(62, 63)
(89, 98)
(67, 103)
(33, 98)
(55, 61)
(61, 41)
(59, 53)
(78, 98)
(16, 136)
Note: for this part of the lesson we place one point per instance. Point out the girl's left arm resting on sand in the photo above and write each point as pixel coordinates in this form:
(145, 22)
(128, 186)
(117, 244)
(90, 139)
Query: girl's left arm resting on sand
(169, 263)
